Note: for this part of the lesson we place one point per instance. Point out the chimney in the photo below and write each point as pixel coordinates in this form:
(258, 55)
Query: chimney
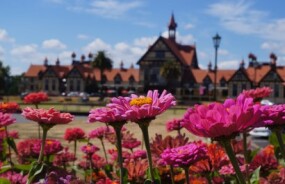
(82, 58)
(46, 62)
(57, 62)
(210, 66)
(132, 66)
(122, 65)
(241, 65)
(273, 59)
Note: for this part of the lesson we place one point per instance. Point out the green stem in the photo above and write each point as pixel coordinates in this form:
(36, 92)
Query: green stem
(39, 128)
(104, 150)
(227, 145)
(186, 170)
(41, 156)
(144, 128)
(246, 158)
(9, 148)
(278, 133)
(172, 174)
(117, 129)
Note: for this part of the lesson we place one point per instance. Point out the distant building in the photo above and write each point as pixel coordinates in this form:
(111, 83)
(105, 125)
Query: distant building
(78, 76)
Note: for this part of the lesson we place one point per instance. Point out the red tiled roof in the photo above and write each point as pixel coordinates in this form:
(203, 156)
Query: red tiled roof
(125, 74)
(200, 75)
(34, 70)
(257, 74)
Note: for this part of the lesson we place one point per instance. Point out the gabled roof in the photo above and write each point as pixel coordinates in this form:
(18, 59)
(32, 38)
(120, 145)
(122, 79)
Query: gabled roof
(125, 74)
(200, 75)
(34, 70)
(258, 73)
(184, 53)
(281, 72)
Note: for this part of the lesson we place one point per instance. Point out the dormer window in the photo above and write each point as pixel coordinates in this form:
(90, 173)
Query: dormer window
(131, 80)
(117, 79)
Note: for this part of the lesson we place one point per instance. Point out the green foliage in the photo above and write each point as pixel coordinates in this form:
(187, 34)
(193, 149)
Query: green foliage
(125, 175)
(36, 170)
(157, 179)
(10, 141)
(102, 62)
(255, 176)
(4, 181)
(22, 167)
(274, 141)
(108, 170)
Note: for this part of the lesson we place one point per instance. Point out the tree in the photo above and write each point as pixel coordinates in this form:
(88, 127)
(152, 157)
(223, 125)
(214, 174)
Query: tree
(170, 70)
(4, 77)
(102, 62)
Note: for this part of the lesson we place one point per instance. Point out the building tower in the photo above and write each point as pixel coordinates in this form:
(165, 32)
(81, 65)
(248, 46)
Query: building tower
(172, 28)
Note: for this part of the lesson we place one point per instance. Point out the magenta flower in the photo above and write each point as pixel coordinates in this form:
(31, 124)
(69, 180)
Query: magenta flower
(106, 115)
(63, 158)
(139, 154)
(272, 115)
(47, 117)
(52, 147)
(174, 124)
(258, 93)
(6, 119)
(216, 120)
(101, 132)
(36, 98)
(89, 149)
(184, 156)
(73, 134)
(143, 107)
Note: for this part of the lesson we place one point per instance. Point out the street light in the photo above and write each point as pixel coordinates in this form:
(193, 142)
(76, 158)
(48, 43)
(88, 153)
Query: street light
(216, 40)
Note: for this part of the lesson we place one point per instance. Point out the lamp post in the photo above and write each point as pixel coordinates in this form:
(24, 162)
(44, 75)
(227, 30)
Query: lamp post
(216, 40)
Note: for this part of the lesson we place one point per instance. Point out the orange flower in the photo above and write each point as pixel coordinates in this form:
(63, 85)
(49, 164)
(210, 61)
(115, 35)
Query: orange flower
(9, 107)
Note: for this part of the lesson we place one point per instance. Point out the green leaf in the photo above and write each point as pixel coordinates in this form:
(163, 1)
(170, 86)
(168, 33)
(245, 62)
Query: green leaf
(156, 175)
(4, 181)
(22, 167)
(253, 153)
(255, 176)
(11, 143)
(125, 175)
(36, 169)
(82, 140)
(108, 170)
(148, 181)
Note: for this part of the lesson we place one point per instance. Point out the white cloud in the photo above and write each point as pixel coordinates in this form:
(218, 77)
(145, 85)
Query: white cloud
(144, 41)
(96, 46)
(5, 37)
(108, 8)
(242, 18)
(24, 50)
(122, 47)
(82, 37)
(188, 26)
(231, 64)
(223, 52)
(65, 57)
(53, 44)
(2, 50)
(183, 39)
(202, 55)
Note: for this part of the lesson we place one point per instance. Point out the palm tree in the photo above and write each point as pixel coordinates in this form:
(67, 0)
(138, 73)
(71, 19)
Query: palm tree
(170, 70)
(4, 77)
(102, 62)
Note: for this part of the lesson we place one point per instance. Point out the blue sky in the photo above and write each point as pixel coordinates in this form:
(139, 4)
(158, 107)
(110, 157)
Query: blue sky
(31, 30)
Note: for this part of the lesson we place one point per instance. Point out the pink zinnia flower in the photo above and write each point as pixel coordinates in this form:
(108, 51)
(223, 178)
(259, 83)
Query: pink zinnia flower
(73, 134)
(131, 143)
(174, 124)
(272, 115)
(216, 120)
(36, 98)
(6, 119)
(106, 115)
(47, 117)
(139, 154)
(9, 107)
(143, 107)
(184, 156)
(64, 157)
(89, 149)
(52, 147)
(258, 93)
(101, 132)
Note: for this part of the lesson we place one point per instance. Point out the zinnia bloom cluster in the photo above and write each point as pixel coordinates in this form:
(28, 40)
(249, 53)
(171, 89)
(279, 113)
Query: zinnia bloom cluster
(101, 132)
(174, 124)
(217, 120)
(52, 147)
(89, 149)
(258, 93)
(106, 115)
(184, 156)
(6, 119)
(272, 115)
(9, 107)
(64, 157)
(73, 134)
(143, 107)
(47, 117)
(36, 98)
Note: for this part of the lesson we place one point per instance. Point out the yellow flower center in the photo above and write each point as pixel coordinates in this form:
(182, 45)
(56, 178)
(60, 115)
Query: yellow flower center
(140, 101)
(49, 142)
